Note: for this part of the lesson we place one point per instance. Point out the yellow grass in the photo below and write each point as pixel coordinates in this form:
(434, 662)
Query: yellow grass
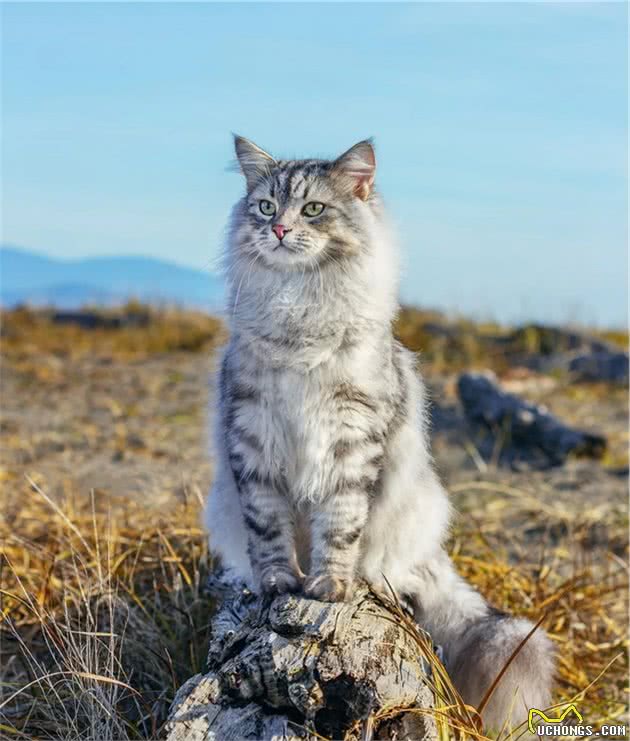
(102, 610)
(145, 331)
(103, 615)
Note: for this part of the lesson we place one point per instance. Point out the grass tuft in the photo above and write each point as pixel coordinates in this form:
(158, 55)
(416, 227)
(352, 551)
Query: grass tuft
(103, 615)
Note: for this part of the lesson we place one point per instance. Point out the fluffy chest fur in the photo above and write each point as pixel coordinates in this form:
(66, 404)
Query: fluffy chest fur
(298, 419)
(303, 320)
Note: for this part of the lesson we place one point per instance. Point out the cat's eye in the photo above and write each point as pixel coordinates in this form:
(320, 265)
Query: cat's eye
(313, 209)
(267, 207)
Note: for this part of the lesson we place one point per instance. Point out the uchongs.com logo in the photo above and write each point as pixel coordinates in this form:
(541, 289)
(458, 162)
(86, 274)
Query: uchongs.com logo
(570, 722)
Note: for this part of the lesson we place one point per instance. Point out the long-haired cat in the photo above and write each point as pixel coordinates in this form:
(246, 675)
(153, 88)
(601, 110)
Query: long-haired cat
(323, 471)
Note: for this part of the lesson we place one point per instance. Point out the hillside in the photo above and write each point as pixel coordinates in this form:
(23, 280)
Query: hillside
(29, 277)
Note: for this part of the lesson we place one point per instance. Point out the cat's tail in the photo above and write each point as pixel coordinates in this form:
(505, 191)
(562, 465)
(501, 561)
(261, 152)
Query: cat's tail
(478, 641)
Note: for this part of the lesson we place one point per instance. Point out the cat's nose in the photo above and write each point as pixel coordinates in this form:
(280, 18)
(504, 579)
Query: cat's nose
(279, 230)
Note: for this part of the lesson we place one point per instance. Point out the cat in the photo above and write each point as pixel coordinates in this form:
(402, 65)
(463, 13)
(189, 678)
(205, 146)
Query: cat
(323, 469)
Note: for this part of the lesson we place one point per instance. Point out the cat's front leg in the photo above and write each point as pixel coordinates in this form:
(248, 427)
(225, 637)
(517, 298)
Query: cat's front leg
(267, 514)
(337, 523)
(269, 523)
(336, 529)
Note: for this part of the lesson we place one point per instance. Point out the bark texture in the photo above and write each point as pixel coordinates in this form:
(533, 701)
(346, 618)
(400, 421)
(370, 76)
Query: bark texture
(297, 668)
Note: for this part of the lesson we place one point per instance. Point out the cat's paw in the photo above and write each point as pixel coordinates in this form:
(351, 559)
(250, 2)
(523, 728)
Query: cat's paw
(279, 580)
(327, 588)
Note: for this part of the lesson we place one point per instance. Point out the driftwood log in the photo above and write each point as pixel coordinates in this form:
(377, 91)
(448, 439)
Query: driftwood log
(523, 431)
(301, 669)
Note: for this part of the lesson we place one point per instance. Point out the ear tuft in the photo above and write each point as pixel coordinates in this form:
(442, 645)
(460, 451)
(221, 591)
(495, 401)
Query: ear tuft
(357, 168)
(253, 161)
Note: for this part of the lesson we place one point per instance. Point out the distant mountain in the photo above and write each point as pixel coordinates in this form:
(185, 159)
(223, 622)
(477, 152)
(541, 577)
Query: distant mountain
(29, 277)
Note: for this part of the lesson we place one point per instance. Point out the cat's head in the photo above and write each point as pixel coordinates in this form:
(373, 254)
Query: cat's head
(302, 213)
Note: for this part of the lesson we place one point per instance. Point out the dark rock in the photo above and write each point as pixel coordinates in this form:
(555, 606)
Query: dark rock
(520, 431)
(99, 320)
(600, 366)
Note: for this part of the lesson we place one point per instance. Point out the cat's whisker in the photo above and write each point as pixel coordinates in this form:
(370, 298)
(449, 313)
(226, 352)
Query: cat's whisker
(238, 292)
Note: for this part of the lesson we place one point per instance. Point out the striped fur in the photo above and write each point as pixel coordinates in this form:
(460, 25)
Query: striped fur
(324, 473)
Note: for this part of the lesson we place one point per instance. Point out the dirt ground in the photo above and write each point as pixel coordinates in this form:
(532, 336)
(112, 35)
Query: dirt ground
(133, 425)
(139, 427)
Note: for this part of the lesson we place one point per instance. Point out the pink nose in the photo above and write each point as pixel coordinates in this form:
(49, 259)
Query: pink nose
(279, 230)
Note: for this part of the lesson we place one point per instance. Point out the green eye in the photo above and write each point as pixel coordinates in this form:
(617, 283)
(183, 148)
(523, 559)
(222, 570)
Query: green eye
(267, 208)
(313, 209)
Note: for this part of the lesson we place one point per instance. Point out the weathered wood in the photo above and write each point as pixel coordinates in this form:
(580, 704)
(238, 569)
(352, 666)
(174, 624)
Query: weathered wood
(527, 431)
(301, 669)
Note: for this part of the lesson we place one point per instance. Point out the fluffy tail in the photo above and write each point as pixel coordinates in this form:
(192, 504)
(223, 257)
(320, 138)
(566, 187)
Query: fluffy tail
(478, 641)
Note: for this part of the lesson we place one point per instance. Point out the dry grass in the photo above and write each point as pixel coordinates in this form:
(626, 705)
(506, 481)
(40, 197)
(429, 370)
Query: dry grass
(104, 616)
(133, 331)
(102, 608)
(568, 564)
(136, 330)
(455, 344)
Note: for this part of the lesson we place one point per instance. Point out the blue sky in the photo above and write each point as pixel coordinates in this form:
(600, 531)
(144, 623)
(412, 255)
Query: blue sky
(500, 131)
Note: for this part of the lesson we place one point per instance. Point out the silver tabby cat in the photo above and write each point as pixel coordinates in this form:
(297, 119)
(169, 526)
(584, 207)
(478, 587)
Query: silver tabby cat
(323, 470)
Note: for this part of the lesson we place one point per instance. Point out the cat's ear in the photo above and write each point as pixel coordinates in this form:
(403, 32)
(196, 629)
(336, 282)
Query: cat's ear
(254, 162)
(357, 168)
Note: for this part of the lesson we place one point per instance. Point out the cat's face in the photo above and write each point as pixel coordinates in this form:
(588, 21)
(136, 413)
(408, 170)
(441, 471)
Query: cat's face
(302, 213)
